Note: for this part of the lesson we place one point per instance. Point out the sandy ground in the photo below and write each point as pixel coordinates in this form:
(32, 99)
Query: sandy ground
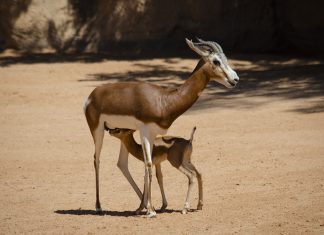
(260, 149)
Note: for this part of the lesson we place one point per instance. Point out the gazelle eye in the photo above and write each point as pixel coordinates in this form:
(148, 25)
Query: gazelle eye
(216, 62)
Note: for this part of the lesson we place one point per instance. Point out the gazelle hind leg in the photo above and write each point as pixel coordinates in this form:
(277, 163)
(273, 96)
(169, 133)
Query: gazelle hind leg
(98, 139)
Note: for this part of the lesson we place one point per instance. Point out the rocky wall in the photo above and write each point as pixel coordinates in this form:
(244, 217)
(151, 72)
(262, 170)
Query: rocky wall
(136, 26)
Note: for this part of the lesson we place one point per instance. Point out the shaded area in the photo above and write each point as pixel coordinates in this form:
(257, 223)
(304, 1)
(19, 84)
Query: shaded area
(51, 58)
(261, 76)
(288, 81)
(36, 58)
(164, 77)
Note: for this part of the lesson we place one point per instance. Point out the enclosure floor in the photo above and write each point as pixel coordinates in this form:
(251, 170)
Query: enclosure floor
(259, 147)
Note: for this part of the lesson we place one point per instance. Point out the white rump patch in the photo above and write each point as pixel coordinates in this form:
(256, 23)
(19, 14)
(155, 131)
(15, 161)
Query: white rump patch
(86, 103)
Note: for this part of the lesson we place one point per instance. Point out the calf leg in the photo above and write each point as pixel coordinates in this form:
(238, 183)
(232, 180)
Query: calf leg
(190, 176)
(200, 190)
(123, 166)
(159, 177)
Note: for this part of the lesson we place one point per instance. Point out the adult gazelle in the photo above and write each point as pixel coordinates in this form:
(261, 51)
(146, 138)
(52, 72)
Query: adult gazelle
(151, 109)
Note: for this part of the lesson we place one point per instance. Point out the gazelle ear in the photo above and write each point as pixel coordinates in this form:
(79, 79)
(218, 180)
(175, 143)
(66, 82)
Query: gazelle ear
(201, 50)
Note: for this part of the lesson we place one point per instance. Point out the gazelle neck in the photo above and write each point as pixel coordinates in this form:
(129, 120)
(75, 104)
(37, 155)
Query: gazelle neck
(194, 85)
(187, 94)
(133, 147)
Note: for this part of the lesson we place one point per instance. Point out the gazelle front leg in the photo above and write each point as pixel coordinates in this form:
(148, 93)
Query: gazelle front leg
(123, 166)
(147, 139)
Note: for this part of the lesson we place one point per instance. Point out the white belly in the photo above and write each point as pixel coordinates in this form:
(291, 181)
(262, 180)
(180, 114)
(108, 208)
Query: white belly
(129, 122)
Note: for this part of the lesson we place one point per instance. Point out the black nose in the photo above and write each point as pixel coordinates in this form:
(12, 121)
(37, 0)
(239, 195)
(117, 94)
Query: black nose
(236, 79)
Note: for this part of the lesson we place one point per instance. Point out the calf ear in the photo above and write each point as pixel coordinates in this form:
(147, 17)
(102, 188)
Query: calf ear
(200, 49)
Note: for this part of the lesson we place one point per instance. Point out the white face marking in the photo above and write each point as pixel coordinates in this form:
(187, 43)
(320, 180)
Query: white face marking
(231, 78)
(213, 54)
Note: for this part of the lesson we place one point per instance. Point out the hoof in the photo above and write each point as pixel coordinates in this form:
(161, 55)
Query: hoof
(163, 207)
(184, 211)
(98, 210)
(98, 207)
(199, 207)
(139, 210)
(151, 214)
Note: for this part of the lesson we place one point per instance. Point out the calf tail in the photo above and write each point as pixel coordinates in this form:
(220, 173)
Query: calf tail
(192, 135)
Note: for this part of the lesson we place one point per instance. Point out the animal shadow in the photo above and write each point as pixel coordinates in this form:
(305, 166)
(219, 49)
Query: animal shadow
(110, 213)
(93, 212)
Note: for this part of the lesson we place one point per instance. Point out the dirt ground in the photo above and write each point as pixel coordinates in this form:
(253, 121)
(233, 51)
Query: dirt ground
(259, 147)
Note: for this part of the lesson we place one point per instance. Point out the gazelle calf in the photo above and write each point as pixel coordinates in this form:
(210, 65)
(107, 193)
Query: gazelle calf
(174, 149)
